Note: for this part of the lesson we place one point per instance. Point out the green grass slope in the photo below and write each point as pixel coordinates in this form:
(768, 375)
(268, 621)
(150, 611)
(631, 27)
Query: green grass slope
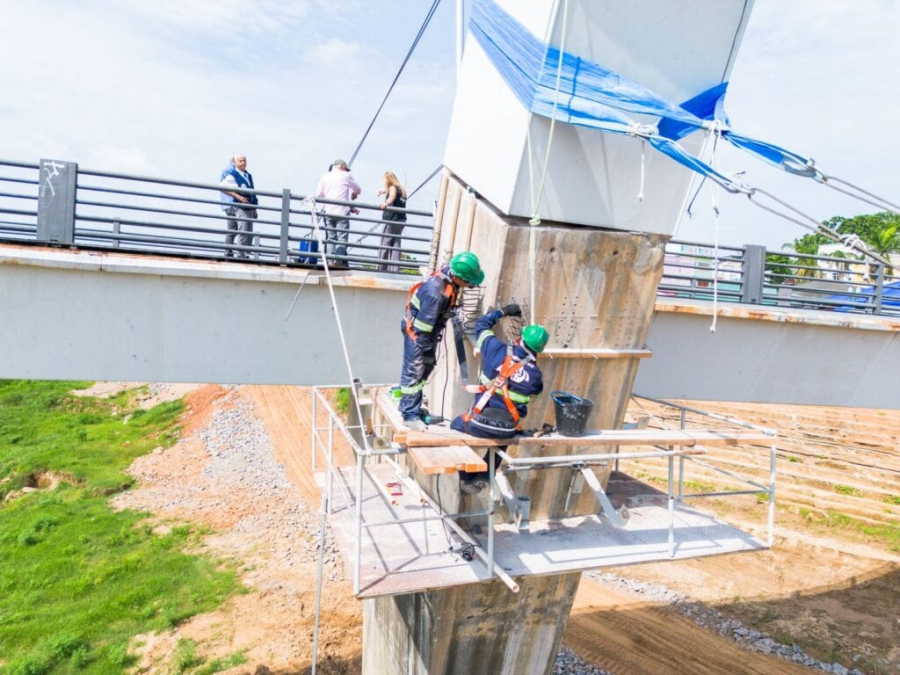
(78, 579)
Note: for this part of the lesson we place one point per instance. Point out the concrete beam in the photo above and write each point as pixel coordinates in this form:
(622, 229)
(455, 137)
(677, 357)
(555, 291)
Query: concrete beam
(109, 316)
(771, 355)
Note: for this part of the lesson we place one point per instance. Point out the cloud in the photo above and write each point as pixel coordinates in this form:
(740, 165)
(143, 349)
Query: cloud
(222, 17)
(124, 159)
(336, 56)
(813, 79)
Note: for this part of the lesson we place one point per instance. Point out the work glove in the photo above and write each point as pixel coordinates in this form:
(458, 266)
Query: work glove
(512, 310)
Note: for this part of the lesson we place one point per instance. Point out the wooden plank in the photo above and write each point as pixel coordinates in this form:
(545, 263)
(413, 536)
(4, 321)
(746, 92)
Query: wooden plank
(447, 459)
(388, 406)
(603, 438)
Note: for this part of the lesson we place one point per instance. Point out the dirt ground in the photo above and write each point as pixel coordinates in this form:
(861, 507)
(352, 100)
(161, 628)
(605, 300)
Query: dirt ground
(837, 598)
(273, 622)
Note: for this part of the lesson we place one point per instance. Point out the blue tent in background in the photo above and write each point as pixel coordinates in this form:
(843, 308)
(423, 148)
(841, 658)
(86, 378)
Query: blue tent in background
(890, 298)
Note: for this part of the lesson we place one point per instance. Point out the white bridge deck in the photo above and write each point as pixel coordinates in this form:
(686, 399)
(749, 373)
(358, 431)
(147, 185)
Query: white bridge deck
(414, 556)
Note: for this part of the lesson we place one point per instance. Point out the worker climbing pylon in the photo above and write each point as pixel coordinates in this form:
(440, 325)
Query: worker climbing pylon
(430, 305)
(510, 379)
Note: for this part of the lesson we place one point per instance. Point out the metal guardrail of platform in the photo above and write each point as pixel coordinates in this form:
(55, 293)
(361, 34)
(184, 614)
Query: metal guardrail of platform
(58, 203)
(358, 505)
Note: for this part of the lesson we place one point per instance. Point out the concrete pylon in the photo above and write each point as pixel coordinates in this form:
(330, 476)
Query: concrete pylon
(596, 290)
(598, 258)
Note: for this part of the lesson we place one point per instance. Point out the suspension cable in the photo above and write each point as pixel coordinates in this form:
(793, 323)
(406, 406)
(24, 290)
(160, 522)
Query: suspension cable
(424, 182)
(873, 199)
(851, 241)
(428, 16)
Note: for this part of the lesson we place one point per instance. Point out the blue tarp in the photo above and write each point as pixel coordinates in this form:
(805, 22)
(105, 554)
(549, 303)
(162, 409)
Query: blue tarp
(890, 298)
(596, 97)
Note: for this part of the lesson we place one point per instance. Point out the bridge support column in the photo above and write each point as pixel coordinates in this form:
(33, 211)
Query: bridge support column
(594, 289)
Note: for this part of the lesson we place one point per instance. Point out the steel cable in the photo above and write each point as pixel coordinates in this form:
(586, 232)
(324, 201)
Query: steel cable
(428, 17)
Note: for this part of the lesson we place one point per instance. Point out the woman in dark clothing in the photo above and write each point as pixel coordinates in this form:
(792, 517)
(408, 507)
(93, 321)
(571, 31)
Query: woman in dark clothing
(394, 195)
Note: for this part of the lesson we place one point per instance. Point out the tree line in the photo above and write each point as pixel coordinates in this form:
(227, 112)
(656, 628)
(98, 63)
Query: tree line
(879, 231)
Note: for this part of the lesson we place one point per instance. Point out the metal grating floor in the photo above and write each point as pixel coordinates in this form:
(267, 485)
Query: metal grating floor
(412, 557)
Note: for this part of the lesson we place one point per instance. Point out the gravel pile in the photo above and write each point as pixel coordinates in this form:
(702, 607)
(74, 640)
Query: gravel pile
(242, 461)
(568, 663)
(711, 619)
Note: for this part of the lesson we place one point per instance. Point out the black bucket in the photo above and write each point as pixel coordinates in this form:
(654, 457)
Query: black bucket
(572, 413)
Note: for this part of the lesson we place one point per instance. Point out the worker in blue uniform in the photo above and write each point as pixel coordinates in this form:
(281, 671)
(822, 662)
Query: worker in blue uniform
(431, 303)
(510, 380)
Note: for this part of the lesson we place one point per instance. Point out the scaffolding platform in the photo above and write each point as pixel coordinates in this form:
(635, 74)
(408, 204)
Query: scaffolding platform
(413, 555)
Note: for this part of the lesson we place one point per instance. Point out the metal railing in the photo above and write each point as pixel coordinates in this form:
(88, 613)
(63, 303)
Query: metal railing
(753, 275)
(57, 203)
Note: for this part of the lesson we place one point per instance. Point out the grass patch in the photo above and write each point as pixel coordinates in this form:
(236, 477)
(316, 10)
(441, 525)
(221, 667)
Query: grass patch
(889, 535)
(697, 486)
(218, 665)
(78, 579)
(186, 657)
(892, 499)
(848, 490)
(342, 401)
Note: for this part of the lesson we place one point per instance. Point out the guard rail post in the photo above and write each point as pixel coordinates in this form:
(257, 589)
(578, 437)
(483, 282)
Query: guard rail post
(285, 226)
(56, 202)
(879, 287)
(753, 268)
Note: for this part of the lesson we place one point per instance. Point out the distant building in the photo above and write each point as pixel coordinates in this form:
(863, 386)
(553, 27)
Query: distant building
(688, 271)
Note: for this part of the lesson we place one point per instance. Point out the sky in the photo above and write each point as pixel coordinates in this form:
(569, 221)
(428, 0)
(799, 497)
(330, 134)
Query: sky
(173, 87)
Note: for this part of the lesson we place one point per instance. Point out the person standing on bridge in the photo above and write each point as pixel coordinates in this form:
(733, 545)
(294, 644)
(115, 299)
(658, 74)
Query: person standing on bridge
(338, 185)
(510, 380)
(431, 303)
(394, 221)
(238, 206)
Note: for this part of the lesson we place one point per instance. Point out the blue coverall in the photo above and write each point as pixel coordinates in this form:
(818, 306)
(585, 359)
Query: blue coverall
(429, 309)
(524, 385)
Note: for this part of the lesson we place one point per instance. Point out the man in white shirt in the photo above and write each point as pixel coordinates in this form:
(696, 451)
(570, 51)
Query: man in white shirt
(338, 184)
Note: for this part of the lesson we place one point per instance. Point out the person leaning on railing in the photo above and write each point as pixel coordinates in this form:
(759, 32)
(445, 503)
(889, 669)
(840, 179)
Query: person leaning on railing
(238, 206)
(339, 185)
(394, 221)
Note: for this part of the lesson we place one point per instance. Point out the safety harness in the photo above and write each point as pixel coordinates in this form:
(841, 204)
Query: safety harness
(510, 366)
(413, 301)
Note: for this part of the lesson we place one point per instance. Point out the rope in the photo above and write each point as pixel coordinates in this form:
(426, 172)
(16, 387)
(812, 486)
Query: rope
(337, 314)
(536, 199)
(640, 195)
(296, 295)
(412, 48)
(714, 161)
(690, 204)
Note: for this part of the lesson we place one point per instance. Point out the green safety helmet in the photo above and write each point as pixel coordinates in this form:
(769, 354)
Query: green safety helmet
(535, 337)
(465, 265)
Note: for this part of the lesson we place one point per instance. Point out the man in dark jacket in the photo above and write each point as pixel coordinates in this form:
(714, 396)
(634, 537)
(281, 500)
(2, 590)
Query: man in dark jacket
(510, 379)
(431, 304)
(238, 206)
